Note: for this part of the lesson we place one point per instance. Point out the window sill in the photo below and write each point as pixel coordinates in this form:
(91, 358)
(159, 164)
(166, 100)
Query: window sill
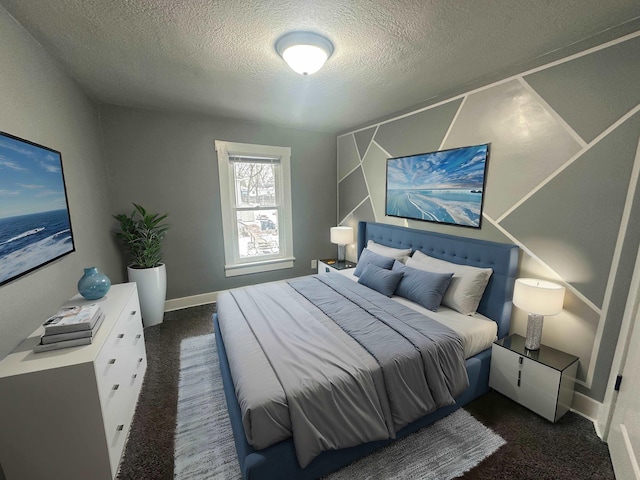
(257, 267)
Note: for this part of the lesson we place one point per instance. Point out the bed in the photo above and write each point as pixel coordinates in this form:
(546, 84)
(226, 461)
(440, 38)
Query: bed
(280, 459)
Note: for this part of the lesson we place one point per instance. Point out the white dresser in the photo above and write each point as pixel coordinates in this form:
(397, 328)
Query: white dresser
(541, 380)
(65, 414)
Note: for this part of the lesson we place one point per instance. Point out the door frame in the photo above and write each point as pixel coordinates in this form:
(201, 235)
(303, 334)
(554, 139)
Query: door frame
(631, 311)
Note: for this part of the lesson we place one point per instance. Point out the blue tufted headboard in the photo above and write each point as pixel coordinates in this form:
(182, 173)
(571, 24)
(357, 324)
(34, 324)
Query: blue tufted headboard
(502, 258)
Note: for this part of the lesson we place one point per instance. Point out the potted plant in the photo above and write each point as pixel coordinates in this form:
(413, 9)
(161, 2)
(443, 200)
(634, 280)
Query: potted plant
(141, 234)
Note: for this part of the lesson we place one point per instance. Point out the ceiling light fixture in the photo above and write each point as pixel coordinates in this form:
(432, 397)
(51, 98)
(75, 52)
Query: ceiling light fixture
(304, 52)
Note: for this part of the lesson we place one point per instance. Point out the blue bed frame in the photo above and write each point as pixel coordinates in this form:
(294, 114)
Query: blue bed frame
(279, 461)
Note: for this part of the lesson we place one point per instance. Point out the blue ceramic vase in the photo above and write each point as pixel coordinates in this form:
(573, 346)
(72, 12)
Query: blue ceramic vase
(93, 284)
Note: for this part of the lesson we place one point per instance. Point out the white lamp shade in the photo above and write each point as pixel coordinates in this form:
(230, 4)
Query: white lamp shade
(304, 52)
(341, 235)
(538, 296)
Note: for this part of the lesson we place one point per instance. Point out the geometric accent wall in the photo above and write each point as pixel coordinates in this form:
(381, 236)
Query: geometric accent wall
(560, 184)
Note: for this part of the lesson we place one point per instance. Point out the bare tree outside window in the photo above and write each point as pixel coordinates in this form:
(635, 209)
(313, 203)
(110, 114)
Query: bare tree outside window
(256, 208)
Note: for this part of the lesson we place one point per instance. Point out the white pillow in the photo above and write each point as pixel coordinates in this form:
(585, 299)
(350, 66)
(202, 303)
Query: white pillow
(400, 254)
(467, 284)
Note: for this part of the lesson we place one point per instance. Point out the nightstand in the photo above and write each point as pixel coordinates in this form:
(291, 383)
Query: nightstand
(325, 266)
(541, 380)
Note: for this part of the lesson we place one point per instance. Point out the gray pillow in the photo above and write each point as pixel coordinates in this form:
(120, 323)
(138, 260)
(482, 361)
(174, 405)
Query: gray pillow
(424, 288)
(367, 257)
(467, 285)
(380, 279)
(398, 253)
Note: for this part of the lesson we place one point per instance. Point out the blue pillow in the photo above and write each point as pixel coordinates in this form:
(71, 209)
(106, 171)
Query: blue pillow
(422, 287)
(380, 279)
(367, 257)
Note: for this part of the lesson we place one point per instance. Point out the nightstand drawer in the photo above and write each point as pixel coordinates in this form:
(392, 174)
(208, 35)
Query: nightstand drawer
(504, 373)
(541, 380)
(540, 401)
(539, 388)
(540, 377)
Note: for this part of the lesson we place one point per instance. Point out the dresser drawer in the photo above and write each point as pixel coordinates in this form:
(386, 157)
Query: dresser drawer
(116, 431)
(125, 331)
(111, 377)
(137, 363)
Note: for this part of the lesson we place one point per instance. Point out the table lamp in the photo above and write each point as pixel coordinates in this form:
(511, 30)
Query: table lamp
(341, 236)
(538, 298)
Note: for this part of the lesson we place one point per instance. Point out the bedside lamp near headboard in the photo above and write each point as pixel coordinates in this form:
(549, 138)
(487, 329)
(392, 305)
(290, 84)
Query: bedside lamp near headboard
(538, 298)
(341, 236)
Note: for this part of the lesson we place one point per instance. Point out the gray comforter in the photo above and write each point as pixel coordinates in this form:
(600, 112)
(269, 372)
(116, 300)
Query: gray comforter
(334, 363)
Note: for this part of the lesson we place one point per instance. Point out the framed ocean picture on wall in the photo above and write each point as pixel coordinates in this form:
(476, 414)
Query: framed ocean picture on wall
(446, 186)
(35, 226)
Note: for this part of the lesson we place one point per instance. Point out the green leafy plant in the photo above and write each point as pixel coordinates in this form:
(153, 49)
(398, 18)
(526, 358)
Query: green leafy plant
(141, 233)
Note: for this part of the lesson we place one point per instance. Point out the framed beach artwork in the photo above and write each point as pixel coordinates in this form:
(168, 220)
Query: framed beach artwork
(35, 227)
(446, 186)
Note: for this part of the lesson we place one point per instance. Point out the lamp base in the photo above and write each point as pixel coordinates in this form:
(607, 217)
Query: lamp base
(341, 250)
(534, 331)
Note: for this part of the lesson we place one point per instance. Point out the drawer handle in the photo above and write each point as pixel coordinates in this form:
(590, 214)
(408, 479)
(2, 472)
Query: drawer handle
(112, 361)
(121, 335)
(135, 375)
(138, 336)
(521, 360)
(116, 386)
(119, 428)
(140, 360)
(133, 312)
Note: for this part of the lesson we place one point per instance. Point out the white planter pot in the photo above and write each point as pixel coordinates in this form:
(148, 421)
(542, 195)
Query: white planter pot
(152, 292)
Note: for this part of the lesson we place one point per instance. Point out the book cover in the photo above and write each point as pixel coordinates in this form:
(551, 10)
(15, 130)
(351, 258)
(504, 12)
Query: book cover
(65, 344)
(61, 337)
(73, 319)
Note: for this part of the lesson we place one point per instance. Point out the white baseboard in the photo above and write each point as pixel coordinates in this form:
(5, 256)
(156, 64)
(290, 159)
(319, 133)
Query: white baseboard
(587, 407)
(192, 301)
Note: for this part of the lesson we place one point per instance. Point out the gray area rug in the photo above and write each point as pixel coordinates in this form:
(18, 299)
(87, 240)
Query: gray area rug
(204, 447)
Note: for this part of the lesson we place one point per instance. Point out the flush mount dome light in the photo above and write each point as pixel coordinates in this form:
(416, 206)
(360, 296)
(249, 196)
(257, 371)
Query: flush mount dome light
(304, 52)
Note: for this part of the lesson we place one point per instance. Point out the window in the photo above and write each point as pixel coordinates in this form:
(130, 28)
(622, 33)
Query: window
(255, 193)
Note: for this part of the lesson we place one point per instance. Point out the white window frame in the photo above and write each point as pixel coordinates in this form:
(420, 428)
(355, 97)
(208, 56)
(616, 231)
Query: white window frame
(234, 265)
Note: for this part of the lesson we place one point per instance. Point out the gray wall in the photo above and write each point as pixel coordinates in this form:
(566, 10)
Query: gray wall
(42, 104)
(564, 141)
(167, 163)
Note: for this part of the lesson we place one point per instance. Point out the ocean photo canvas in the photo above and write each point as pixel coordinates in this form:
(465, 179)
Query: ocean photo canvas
(444, 187)
(35, 228)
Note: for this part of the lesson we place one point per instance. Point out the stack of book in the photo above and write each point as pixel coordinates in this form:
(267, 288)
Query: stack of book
(70, 327)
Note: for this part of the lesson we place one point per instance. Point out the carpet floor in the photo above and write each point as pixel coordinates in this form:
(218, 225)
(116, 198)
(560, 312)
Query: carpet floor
(536, 449)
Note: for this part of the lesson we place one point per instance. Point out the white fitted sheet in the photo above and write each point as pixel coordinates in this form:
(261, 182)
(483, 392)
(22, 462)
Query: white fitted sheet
(476, 331)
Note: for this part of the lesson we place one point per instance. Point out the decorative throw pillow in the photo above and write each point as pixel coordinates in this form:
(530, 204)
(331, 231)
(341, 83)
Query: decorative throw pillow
(422, 287)
(401, 254)
(367, 257)
(467, 285)
(380, 279)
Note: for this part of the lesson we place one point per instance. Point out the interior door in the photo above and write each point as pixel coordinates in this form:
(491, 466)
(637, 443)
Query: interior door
(624, 436)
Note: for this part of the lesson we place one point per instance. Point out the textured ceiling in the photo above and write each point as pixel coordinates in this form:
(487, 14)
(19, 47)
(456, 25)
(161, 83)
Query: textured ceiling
(218, 57)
